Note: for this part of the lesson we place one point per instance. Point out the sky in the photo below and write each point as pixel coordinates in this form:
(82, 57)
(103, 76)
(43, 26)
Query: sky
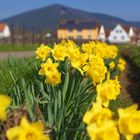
(126, 9)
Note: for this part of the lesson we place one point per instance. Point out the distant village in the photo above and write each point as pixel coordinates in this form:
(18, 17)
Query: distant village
(87, 30)
(80, 30)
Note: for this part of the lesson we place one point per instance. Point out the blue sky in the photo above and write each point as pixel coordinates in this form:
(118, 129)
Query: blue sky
(126, 9)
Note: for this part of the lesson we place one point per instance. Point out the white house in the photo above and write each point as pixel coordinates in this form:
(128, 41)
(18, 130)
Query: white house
(119, 35)
(131, 32)
(102, 34)
(4, 30)
(48, 35)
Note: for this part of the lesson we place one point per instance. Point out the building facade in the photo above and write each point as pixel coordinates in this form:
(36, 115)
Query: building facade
(79, 30)
(119, 35)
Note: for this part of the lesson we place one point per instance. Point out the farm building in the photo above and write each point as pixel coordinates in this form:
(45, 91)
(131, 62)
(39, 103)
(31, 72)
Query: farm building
(4, 30)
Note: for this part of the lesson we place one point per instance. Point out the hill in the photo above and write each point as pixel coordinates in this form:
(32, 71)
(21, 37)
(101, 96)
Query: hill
(48, 18)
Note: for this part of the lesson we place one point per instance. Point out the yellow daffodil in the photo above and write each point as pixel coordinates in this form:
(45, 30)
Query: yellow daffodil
(98, 49)
(97, 69)
(106, 130)
(53, 78)
(4, 103)
(80, 62)
(111, 51)
(121, 64)
(88, 48)
(43, 52)
(97, 114)
(48, 67)
(108, 90)
(73, 53)
(59, 52)
(101, 49)
(27, 131)
(112, 65)
(129, 121)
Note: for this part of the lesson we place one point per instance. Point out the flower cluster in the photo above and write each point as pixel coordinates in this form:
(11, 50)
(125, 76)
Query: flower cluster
(102, 123)
(87, 59)
(121, 64)
(103, 126)
(101, 49)
(49, 69)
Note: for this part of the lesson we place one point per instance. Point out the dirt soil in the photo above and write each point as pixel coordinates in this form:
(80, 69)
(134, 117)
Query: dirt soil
(5, 55)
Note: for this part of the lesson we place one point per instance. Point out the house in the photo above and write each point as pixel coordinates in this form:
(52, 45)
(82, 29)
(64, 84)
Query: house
(136, 38)
(102, 34)
(120, 35)
(79, 30)
(4, 30)
(131, 32)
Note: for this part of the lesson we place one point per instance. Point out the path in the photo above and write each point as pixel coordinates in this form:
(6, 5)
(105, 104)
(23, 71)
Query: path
(130, 80)
(4, 55)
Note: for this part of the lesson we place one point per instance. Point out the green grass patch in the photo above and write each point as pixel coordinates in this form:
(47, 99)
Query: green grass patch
(132, 53)
(13, 70)
(18, 47)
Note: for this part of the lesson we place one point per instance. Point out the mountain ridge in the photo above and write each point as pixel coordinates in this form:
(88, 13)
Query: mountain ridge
(48, 18)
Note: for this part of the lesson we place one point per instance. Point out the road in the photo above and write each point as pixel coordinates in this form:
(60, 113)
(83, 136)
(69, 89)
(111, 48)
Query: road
(4, 55)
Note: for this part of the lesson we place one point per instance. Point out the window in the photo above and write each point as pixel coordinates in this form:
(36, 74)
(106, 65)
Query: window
(115, 37)
(118, 31)
(123, 37)
(89, 36)
(79, 37)
(70, 37)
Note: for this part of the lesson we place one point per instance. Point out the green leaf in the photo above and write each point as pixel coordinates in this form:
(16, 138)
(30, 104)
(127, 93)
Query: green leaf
(65, 87)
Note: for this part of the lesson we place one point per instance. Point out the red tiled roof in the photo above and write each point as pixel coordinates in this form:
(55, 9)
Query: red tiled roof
(2, 26)
(126, 28)
(107, 32)
(137, 30)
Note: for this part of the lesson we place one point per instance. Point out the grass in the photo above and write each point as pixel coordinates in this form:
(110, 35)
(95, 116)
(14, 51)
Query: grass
(18, 47)
(132, 53)
(14, 70)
